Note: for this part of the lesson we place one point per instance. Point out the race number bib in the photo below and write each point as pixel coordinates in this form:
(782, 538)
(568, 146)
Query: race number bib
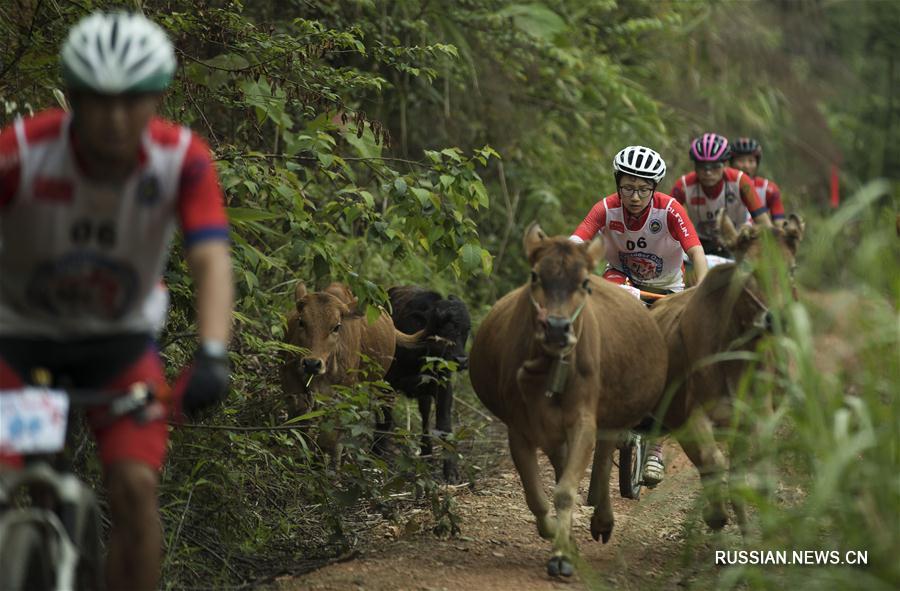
(33, 420)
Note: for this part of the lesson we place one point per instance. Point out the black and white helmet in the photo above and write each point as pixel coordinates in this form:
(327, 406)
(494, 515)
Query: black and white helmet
(640, 162)
(115, 53)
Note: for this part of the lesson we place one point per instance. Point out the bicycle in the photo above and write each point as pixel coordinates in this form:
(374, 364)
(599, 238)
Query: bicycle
(55, 542)
(634, 443)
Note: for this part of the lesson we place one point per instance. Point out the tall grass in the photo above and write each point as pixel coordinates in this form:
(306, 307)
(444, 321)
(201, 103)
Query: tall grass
(833, 438)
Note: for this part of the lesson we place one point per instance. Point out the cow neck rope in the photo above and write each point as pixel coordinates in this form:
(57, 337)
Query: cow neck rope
(559, 367)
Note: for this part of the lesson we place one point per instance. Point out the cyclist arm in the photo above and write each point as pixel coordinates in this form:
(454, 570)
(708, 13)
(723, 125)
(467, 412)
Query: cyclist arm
(682, 229)
(750, 197)
(594, 222)
(678, 192)
(698, 258)
(773, 202)
(9, 167)
(205, 227)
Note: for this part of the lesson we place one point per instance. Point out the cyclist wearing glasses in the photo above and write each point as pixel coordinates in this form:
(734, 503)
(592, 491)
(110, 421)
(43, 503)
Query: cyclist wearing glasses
(645, 231)
(713, 186)
(745, 156)
(89, 201)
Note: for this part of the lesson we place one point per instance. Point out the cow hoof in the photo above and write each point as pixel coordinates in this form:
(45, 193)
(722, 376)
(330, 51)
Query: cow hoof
(601, 528)
(451, 475)
(559, 566)
(715, 518)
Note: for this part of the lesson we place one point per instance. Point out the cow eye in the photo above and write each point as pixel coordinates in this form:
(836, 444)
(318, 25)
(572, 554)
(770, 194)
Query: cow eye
(336, 328)
(534, 277)
(300, 324)
(586, 285)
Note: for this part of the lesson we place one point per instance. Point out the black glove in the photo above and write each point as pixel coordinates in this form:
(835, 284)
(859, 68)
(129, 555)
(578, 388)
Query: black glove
(207, 380)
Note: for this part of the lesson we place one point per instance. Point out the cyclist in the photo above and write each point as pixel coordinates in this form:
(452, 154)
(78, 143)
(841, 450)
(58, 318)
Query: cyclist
(745, 156)
(646, 234)
(713, 186)
(88, 204)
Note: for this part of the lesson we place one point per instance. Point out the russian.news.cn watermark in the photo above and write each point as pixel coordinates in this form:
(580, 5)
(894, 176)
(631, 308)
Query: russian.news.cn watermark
(792, 557)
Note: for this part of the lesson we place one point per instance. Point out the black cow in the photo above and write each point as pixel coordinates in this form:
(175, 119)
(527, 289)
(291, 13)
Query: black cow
(447, 324)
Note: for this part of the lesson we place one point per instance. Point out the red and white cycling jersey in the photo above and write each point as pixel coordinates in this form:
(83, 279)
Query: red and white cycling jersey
(735, 192)
(81, 257)
(770, 194)
(646, 248)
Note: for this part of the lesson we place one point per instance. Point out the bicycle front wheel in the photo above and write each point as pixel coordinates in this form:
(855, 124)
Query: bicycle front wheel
(89, 574)
(25, 563)
(632, 456)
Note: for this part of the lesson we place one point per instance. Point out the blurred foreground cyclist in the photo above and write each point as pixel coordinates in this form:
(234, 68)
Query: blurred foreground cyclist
(88, 205)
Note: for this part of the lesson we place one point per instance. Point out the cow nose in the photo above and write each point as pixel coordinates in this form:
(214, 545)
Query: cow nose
(462, 362)
(311, 365)
(558, 329)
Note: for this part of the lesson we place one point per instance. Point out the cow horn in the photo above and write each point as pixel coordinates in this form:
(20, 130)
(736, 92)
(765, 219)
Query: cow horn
(534, 236)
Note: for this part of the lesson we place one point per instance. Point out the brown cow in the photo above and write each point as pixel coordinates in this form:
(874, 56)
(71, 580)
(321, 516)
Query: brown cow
(617, 365)
(727, 313)
(337, 338)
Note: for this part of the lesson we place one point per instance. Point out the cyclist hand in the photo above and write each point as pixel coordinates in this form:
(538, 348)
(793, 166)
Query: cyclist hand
(206, 379)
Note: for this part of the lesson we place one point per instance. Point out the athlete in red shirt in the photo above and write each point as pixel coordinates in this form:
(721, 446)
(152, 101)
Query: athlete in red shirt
(645, 231)
(745, 156)
(88, 205)
(711, 187)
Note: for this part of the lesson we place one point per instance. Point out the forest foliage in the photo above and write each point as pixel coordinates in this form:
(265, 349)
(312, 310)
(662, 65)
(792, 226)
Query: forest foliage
(411, 141)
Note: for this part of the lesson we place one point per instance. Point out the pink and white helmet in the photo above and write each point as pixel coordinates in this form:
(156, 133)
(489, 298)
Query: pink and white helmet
(710, 147)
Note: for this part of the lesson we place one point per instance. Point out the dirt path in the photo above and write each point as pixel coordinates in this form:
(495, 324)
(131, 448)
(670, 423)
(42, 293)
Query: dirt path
(499, 548)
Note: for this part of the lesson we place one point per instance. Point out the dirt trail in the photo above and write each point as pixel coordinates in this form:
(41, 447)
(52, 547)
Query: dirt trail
(499, 548)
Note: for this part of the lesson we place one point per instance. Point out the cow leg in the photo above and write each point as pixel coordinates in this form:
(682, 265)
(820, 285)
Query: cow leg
(598, 494)
(444, 427)
(524, 456)
(580, 439)
(698, 443)
(384, 427)
(424, 400)
(557, 458)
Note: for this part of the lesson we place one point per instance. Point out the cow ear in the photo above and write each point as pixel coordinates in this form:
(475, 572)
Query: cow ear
(596, 250)
(533, 239)
(349, 311)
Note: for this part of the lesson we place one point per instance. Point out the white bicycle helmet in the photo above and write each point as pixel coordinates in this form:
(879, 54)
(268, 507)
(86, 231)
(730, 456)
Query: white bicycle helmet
(116, 53)
(641, 162)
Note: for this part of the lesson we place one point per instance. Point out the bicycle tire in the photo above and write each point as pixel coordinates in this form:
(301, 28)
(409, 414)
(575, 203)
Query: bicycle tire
(632, 456)
(25, 563)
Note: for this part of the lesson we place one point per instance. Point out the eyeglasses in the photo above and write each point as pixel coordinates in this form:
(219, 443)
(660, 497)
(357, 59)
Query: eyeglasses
(709, 167)
(643, 193)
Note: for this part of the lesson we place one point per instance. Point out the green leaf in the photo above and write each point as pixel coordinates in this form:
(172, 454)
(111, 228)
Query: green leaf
(535, 19)
(400, 186)
(423, 195)
(470, 257)
(373, 313)
(245, 214)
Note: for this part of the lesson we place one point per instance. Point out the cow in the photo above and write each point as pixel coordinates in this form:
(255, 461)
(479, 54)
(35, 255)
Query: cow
(560, 360)
(338, 338)
(446, 324)
(728, 313)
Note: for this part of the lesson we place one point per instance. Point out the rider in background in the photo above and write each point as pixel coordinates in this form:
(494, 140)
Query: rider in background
(713, 186)
(89, 201)
(646, 233)
(745, 156)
